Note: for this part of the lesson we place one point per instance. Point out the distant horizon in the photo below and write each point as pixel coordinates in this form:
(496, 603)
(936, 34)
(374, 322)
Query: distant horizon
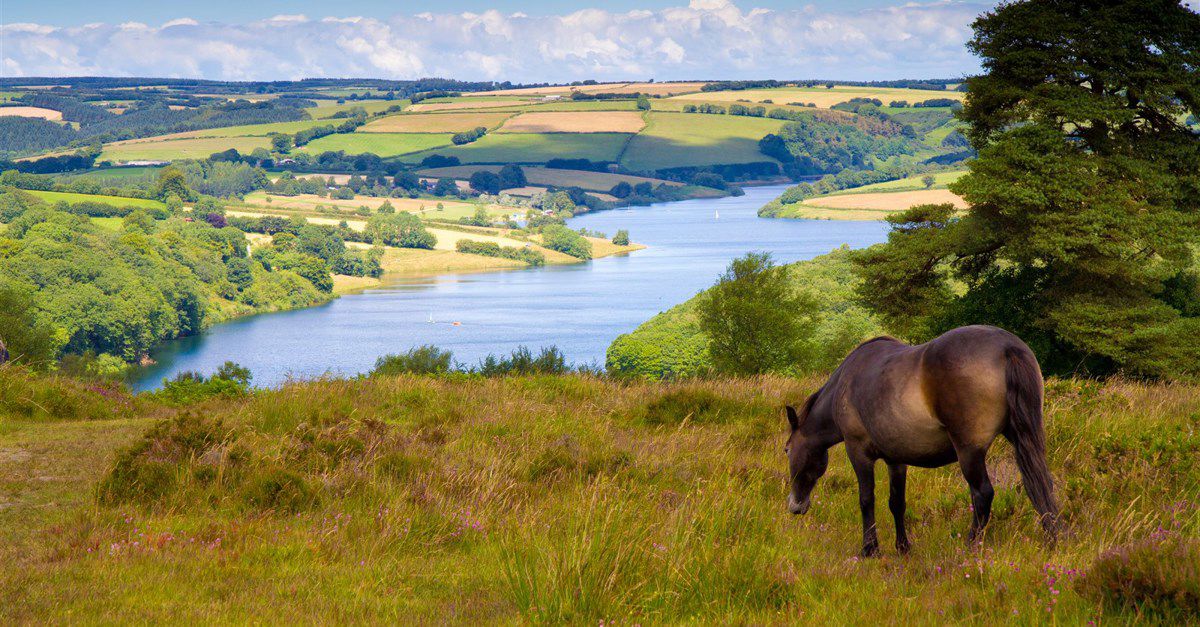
(558, 43)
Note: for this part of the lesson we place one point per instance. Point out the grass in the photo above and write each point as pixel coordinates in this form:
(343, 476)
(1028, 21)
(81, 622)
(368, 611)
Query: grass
(575, 105)
(116, 201)
(382, 144)
(326, 108)
(534, 148)
(690, 139)
(912, 183)
(175, 149)
(554, 499)
(593, 181)
(257, 130)
(575, 122)
(823, 98)
(135, 172)
(434, 123)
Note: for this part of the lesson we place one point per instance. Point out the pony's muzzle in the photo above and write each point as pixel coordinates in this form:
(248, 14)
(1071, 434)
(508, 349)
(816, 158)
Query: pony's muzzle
(798, 507)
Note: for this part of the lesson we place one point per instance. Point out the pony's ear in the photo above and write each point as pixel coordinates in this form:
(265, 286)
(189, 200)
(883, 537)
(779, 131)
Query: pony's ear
(793, 417)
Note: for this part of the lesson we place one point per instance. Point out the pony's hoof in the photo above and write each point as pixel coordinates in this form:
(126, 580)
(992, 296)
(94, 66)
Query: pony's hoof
(903, 547)
(870, 551)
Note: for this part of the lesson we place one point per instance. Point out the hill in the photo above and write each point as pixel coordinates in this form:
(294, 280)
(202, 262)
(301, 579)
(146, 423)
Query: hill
(560, 498)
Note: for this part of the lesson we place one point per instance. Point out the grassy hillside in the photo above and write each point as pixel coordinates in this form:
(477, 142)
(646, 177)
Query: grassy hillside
(115, 201)
(688, 139)
(382, 144)
(534, 147)
(174, 149)
(562, 499)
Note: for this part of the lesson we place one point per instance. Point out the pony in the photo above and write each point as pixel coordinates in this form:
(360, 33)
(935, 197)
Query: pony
(928, 406)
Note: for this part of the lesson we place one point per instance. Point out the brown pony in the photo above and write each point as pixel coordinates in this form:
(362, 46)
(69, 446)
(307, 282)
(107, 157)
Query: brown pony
(928, 405)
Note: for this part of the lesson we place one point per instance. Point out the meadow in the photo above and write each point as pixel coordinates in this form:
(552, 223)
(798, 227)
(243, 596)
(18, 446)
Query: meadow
(820, 96)
(115, 201)
(534, 148)
(326, 108)
(583, 179)
(173, 149)
(563, 499)
(434, 123)
(689, 139)
(382, 144)
(575, 122)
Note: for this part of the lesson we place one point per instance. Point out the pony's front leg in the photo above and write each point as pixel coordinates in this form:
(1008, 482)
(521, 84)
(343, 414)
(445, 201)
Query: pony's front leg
(864, 469)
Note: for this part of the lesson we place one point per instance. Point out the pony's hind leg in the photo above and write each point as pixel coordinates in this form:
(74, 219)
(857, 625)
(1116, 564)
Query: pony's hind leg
(974, 468)
(897, 473)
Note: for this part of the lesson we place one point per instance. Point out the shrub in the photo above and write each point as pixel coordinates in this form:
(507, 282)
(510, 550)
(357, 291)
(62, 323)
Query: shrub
(492, 249)
(426, 359)
(564, 240)
(522, 362)
(230, 380)
(621, 238)
(1158, 576)
(692, 403)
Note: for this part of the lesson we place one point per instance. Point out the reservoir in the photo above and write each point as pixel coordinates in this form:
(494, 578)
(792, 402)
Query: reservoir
(578, 308)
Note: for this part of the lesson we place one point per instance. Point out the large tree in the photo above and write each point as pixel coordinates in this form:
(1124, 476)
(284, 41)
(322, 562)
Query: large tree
(1084, 201)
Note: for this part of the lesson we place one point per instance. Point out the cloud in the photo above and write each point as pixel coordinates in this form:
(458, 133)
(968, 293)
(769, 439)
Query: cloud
(705, 39)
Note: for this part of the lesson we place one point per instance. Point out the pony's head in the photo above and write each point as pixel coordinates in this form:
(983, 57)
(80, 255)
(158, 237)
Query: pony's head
(808, 456)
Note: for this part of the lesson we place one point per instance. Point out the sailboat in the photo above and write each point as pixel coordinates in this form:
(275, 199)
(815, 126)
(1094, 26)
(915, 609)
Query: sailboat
(431, 317)
(716, 215)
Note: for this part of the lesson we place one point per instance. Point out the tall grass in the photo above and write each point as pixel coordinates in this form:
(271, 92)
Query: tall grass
(568, 498)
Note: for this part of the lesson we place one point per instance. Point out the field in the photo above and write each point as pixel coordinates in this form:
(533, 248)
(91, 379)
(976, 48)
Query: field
(563, 499)
(654, 89)
(535, 148)
(823, 98)
(575, 122)
(594, 181)
(382, 144)
(254, 130)
(462, 104)
(173, 149)
(116, 201)
(887, 201)
(574, 105)
(309, 204)
(439, 123)
(417, 262)
(689, 139)
(326, 108)
(912, 183)
(31, 112)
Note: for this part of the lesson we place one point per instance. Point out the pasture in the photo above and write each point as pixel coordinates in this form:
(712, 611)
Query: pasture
(653, 89)
(115, 201)
(575, 122)
(31, 112)
(174, 149)
(692, 139)
(535, 148)
(433, 123)
(593, 181)
(455, 105)
(822, 97)
(253, 130)
(326, 108)
(911, 183)
(382, 144)
(887, 201)
(564, 499)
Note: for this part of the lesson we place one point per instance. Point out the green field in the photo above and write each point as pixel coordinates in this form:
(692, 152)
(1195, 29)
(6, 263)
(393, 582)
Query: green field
(116, 201)
(326, 108)
(592, 181)
(118, 173)
(535, 147)
(262, 130)
(692, 139)
(174, 149)
(560, 500)
(941, 180)
(382, 144)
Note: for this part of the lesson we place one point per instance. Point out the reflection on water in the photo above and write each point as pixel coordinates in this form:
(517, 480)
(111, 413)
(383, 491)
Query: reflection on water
(580, 308)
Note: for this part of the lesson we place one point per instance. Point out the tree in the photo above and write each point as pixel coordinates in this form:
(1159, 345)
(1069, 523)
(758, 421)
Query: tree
(386, 207)
(1084, 204)
(621, 190)
(172, 182)
(281, 142)
(754, 320)
(621, 238)
(928, 180)
(564, 240)
(400, 229)
(23, 338)
(445, 187)
(485, 182)
(512, 176)
(140, 221)
(643, 103)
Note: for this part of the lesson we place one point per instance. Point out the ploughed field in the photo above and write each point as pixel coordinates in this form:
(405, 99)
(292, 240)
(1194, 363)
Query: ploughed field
(562, 498)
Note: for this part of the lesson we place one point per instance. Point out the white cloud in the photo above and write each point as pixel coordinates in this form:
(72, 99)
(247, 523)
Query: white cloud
(705, 39)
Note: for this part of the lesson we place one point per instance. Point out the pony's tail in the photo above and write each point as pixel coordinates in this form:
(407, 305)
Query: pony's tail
(1023, 380)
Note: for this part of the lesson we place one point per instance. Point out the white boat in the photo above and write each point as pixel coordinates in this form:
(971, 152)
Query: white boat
(716, 215)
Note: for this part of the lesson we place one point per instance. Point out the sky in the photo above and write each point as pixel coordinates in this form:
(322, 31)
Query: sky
(529, 41)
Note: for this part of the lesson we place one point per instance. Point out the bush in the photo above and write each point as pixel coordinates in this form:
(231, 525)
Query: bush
(522, 362)
(230, 380)
(621, 238)
(492, 249)
(1159, 576)
(564, 240)
(426, 359)
(485, 182)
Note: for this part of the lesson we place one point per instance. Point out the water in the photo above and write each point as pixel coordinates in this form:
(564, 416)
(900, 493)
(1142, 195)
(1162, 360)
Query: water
(579, 308)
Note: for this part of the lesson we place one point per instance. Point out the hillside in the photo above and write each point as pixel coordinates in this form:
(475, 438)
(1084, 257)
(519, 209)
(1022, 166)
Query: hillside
(561, 499)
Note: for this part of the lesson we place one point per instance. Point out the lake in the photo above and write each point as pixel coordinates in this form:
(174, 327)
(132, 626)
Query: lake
(579, 308)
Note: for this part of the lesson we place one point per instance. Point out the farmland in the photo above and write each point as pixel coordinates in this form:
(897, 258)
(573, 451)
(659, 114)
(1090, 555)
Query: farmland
(653, 89)
(115, 201)
(462, 104)
(822, 97)
(382, 144)
(594, 181)
(31, 112)
(535, 147)
(575, 122)
(433, 123)
(685, 139)
(171, 149)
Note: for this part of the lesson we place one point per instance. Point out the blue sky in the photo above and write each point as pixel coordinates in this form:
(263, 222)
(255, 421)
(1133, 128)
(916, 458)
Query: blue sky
(530, 41)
